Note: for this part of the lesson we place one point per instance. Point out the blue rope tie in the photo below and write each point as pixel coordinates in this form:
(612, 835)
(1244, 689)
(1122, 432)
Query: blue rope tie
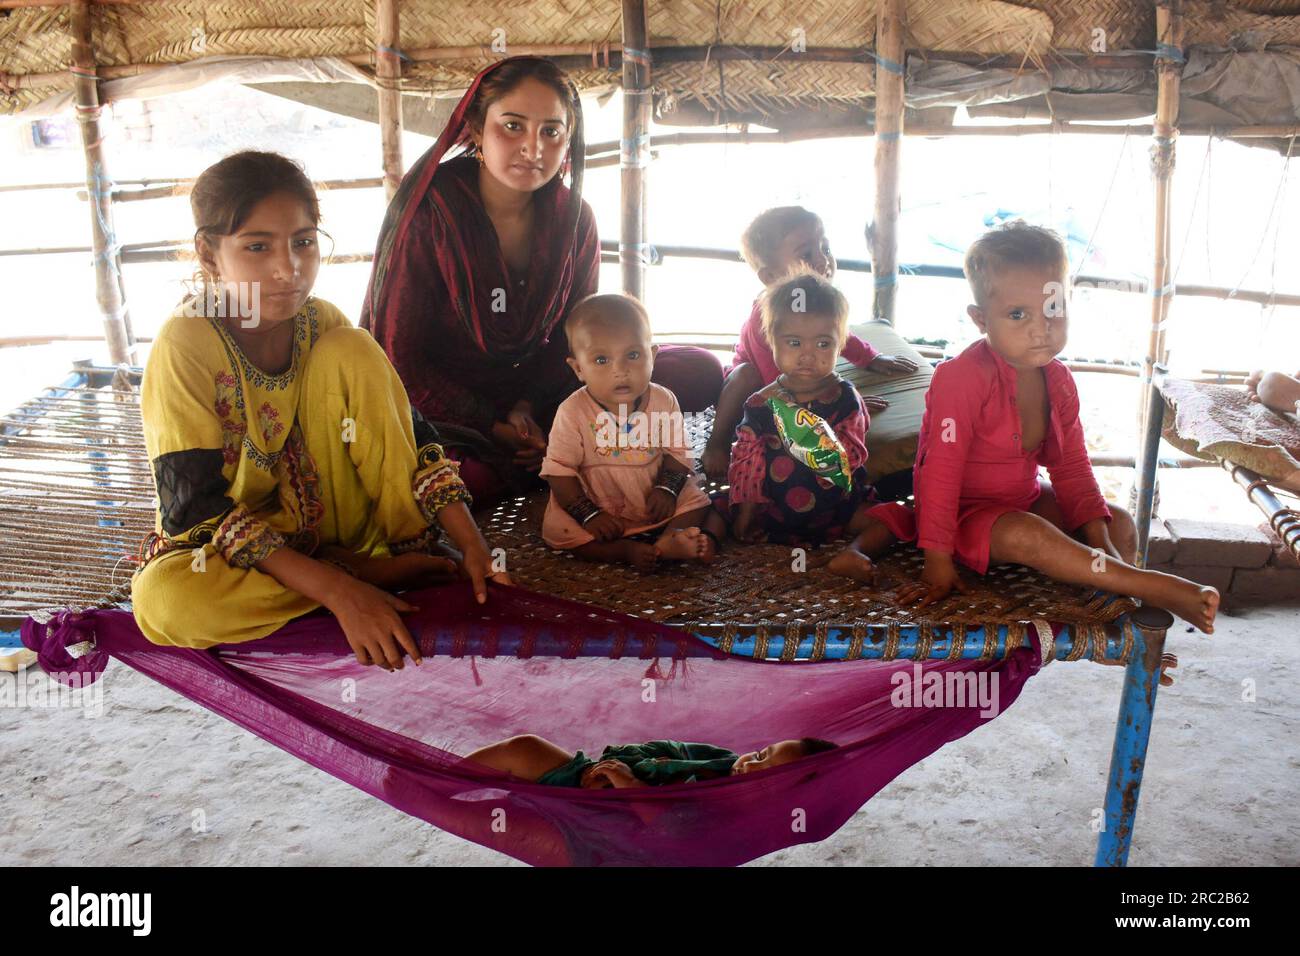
(888, 64)
(1167, 51)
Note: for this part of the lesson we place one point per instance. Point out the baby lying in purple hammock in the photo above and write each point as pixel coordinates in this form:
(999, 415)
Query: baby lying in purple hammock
(650, 764)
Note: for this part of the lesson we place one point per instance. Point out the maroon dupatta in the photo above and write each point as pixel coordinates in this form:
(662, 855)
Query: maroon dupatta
(467, 254)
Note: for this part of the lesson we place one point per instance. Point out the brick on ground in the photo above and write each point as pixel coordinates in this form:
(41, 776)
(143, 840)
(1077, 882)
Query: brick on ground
(1216, 545)
(1266, 584)
(1160, 546)
(1283, 557)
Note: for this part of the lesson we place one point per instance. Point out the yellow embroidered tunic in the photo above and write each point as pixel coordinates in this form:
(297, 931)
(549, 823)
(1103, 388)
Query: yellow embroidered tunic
(246, 462)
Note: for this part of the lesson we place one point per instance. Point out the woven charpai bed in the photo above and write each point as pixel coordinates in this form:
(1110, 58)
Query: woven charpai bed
(765, 593)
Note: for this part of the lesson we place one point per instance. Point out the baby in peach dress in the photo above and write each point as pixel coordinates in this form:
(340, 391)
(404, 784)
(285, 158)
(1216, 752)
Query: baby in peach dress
(617, 458)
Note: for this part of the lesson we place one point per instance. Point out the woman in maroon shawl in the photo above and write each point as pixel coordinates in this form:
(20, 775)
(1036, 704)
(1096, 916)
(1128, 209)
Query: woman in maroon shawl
(480, 259)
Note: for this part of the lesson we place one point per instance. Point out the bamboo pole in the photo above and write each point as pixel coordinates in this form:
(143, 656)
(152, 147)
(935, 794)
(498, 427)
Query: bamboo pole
(883, 231)
(1169, 38)
(1169, 59)
(108, 292)
(634, 250)
(388, 72)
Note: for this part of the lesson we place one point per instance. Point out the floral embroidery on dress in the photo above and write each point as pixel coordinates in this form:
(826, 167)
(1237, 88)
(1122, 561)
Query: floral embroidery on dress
(228, 400)
(234, 427)
(268, 418)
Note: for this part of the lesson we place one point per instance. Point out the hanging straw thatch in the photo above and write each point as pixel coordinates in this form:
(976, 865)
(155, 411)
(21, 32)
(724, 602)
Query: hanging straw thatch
(744, 56)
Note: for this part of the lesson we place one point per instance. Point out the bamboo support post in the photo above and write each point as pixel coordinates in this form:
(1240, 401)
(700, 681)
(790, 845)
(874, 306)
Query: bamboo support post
(883, 232)
(388, 73)
(633, 249)
(1169, 60)
(108, 291)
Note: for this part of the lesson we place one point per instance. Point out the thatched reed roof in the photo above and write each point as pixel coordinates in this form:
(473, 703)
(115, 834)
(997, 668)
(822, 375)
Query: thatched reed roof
(725, 60)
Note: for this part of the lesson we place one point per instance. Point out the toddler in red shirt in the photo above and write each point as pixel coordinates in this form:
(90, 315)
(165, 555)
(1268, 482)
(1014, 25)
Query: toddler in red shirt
(779, 242)
(993, 415)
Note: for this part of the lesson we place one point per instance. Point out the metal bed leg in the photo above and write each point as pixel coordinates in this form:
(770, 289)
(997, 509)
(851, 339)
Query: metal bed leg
(1146, 476)
(1132, 731)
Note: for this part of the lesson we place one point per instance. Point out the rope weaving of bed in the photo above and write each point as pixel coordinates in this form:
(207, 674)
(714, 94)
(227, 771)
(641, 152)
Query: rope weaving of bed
(76, 498)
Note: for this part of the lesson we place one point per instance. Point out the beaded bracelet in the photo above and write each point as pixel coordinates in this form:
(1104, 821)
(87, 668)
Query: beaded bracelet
(583, 510)
(673, 482)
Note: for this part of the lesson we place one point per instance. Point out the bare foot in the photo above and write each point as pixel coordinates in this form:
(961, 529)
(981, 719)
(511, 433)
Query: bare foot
(1195, 603)
(636, 553)
(853, 564)
(411, 570)
(709, 553)
(640, 555)
(396, 572)
(683, 544)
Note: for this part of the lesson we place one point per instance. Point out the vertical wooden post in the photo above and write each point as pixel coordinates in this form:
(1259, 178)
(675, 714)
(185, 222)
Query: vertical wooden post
(1169, 68)
(890, 39)
(1164, 132)
(108, 291)
(388, 71)
(634, 155)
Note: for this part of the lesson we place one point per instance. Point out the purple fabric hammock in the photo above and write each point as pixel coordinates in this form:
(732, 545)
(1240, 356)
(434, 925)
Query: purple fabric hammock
(577, 675)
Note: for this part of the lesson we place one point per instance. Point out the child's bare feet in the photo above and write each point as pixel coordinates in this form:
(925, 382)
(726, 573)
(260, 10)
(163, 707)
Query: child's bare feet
(684, 544)
(852, 563)
(639, 554)
(1195, 603)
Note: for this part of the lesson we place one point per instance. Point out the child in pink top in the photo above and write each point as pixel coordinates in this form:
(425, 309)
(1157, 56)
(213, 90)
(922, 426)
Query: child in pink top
(993, 415)
(779, 242)
(617, 458)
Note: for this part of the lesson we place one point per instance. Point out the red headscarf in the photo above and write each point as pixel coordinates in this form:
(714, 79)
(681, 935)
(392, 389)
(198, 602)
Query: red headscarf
(468, 258)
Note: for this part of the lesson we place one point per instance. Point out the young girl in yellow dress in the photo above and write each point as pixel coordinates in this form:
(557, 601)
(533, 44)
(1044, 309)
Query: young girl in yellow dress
(290, 474)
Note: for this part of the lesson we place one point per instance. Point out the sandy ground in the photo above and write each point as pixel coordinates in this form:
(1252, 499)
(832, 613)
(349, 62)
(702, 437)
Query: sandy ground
(1219, 787)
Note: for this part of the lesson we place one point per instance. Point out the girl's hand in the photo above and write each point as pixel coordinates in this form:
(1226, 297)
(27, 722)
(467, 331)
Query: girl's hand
(938, 579)
(1096, 535)
(892, 365)
(477, 566)
(660, 504)
(610, 773)
(370, 622)
(874, 403)
(604, 527)
(716, 460)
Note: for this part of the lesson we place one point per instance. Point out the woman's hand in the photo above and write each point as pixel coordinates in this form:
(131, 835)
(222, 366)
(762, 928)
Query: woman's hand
(370, 621)
(611, 773)
(604, 527)
(716, 460)
(521, 433)
(661, 505)
(938, 579)
(892, 365)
